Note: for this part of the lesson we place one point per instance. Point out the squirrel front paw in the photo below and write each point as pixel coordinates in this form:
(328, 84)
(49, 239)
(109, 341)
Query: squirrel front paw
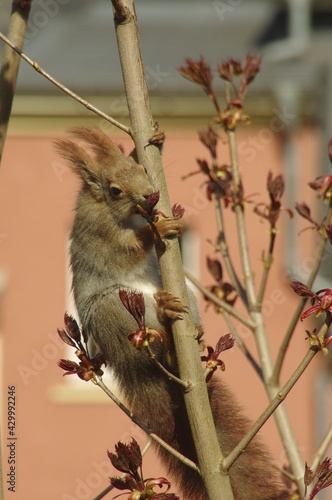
(168, 227)
(169, 306)
(158, 137)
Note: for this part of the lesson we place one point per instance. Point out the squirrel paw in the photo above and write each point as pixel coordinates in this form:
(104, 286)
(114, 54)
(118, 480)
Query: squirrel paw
(168, 227)
(199, 330)
(158, 137)
(169, 307)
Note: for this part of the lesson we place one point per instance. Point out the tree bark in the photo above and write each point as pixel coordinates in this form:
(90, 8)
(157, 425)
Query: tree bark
(190, 368)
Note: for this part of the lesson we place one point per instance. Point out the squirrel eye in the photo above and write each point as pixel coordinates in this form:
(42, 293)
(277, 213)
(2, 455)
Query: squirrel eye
(115, 191)
(145, 170)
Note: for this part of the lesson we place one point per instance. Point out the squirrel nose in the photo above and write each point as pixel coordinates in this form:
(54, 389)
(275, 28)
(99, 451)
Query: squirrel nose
(146, 195)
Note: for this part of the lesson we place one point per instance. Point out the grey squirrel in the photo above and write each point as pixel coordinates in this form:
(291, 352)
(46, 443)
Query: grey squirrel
(112, 247)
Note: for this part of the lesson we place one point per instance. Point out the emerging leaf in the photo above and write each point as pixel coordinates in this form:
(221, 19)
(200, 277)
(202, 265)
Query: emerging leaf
(127, 457)
(198, 72)
(72, 328)
(322, 478)
(251, 66)
(301, 289)
(215, 268)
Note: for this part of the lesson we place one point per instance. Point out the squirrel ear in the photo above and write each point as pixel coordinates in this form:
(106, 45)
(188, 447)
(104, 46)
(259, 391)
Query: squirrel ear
(100, 143)
(82, 164)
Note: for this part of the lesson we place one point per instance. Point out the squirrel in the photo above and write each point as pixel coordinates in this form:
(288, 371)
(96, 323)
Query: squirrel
(112, 248)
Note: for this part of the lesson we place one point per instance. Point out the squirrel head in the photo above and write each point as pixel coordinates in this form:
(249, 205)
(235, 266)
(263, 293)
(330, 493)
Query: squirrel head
(110, 179)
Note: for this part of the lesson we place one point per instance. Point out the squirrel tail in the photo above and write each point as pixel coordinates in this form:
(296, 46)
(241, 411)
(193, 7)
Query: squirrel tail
(252, 476)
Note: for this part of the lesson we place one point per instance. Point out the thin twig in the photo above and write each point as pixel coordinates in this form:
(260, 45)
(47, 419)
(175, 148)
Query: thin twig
(103, 493)
(267, 263)
(284, 472)
(239, 449)
(241, 345)
(240, 224)
(325, 443)
(290, 330)
(223, 247)
(50, 78)
(168, 374)
(285, 342)
(98, 381)
(220, 303)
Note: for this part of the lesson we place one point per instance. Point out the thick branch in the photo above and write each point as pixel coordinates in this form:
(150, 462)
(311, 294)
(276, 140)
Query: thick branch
(10, 65)
(196, 400)
(72, 94)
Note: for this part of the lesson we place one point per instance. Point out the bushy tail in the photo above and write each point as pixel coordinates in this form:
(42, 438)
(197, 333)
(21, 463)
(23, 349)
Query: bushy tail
(252, 475)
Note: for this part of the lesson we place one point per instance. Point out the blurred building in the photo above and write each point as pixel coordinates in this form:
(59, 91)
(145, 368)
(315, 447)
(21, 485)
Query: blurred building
(64, 427)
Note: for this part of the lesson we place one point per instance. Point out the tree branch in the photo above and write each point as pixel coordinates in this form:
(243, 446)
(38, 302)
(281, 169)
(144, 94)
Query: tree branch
(227, 312)
(223, 247)
(281, 416)
(239, 449)
(326, 441)
(290, 330)
(221, 303)
(240, 224)
(10, 65)
(188, 356)
(266, 269)
(169, 375)
(242, 346)
(72, 94)
(98, 381)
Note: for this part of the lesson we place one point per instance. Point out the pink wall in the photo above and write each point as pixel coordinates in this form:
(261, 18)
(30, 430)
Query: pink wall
(61, 448)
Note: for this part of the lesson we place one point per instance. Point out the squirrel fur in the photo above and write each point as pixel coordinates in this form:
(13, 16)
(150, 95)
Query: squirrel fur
(112, 247)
